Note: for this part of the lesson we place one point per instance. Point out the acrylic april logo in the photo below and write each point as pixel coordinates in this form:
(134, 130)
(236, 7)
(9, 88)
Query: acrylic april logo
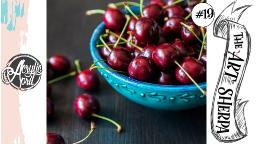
(22, 72)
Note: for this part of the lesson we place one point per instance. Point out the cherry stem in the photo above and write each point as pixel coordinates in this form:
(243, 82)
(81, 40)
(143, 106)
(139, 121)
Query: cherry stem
(191, 30)
(119, 128)
(90, 132)
(188, 16)
(174, 3)
(95, 11)
(116, 35)
(123, 30)
(78, 66)
(62, 77)
(196, 84)
(202, 47)
(141, 7)
(129, 10)
(121, 3)
(104, 43)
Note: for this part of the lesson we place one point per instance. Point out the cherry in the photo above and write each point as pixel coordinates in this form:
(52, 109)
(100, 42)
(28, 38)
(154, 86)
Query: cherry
(166, 78)
(146, 31)
(132, 39)
(175, 11)
(112, 39)
(176, 2)
(164, 56)
(53, 138)
(194, 68)
(132, 23)
(119, 59)
(203, 58)
(148, 50)
(59, 63)
(86, 106)
(141, 68)
(114, 19)
(159, 2)
(136, 53)
(154, 11)
(179, 45)
(190, 33)
(50, 108)
(87, 79)
(172, 28)
(104, 52)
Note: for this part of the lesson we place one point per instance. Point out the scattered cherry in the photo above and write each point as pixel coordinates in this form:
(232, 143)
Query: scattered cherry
(59, 63)
(53, 138)
(87, 79)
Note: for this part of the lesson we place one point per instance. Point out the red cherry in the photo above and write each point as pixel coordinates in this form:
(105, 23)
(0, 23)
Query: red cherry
(136, 53)
(171, 2)
(104, 52)
(141, 68)
(166, 78)
(175, 11)
(172, 28)
(59, 63)
(119, 59)
(188, 36)
(53, 138)
(87, 79)
(154, 11)
(132, 23)
(114, 19)
(179, 45)
(148, 50)
(85, 105)
(194, 68)
(50, 108)
(164, 56)
(159, 2)
(146, 31)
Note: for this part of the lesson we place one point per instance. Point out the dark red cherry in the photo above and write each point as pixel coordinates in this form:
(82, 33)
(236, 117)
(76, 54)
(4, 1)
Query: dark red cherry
(203, 58)
(114, 19)
(141, 68)
(148, 50)
(50, 108)
(132, 23)
(164, 56)
(179, 45)
(187, 36)
(171, 3)
(154, 11)
(85, 105)
(172, 28)
(119, 59)
(166, 78)
(112, 38)
(175, 11)
(104, 52)
(53, 138)
(87, 79)
(146, 31)
(59, 64)
(159, 2)
(194, 68)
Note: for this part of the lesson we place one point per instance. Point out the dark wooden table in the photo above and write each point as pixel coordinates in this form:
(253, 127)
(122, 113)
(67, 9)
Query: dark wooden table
(69, 32)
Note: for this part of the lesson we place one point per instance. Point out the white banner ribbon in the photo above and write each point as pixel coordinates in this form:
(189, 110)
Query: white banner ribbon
(227, 115)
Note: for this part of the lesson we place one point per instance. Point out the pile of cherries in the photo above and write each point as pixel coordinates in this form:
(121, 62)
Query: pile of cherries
(160, 45)
(85, 105)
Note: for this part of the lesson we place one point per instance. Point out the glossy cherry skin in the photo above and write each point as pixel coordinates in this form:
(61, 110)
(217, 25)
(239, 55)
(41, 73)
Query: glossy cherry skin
(155, 12)
(50, 108)
(194, 68)
(189, 9)
(141, 68)
(159, 2)
(53, 138)
(131, 39)
(187, 36)
(175, 11)
(114, 19)
(59, 64)
(87, 79)
(146, 31)
(131, 25)
(104, 52)
(164, 56)
(203, 58)
(119, 59)
(166, 78)
(148, 50)
(172, 28)
(171, 2)
(179, 45)
(85, 105)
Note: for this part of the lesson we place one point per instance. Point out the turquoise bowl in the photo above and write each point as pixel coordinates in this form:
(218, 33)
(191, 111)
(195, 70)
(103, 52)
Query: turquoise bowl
(164, 97)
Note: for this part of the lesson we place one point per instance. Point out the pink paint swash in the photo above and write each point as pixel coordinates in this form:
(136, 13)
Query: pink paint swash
(11, 131)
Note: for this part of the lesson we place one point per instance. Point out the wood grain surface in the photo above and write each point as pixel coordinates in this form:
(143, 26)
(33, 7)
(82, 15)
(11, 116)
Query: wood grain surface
(69, 32)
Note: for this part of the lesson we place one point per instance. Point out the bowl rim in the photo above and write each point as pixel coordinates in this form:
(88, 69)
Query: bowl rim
(101, 62)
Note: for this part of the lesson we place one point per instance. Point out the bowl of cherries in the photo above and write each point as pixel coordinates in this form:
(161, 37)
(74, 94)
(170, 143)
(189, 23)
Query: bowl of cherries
(153, 54)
